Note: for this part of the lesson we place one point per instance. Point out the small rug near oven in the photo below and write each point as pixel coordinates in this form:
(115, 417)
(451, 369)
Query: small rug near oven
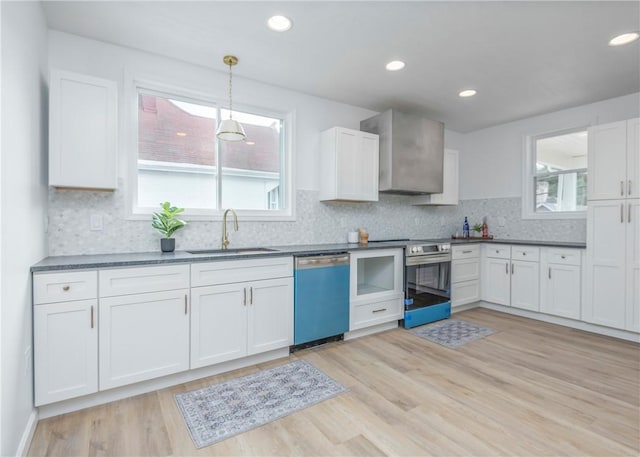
(453, 333)
(223, 410)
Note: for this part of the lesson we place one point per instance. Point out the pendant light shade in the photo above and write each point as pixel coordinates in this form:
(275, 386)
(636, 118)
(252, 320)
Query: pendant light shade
(229, 129)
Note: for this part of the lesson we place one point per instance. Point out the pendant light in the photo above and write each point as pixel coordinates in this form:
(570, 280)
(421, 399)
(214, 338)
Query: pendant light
(229, 129)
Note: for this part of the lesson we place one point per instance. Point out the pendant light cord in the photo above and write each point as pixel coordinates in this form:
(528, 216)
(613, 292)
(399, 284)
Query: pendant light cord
(230, 79)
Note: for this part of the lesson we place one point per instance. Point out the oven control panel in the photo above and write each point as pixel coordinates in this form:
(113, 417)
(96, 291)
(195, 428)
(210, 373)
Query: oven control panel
(426, 249)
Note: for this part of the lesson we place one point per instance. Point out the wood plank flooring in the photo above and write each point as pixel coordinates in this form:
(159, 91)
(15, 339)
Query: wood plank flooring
(531, 388)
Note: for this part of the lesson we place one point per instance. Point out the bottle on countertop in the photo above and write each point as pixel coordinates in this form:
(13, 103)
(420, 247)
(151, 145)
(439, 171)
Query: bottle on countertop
(465, 228)
(485, 228)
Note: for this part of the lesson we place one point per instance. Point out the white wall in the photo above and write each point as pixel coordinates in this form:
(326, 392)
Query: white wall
(313, 114)
(491, 159)
(23, 197)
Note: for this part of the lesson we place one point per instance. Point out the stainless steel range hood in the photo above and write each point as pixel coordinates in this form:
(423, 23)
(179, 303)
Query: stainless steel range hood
(411, 152)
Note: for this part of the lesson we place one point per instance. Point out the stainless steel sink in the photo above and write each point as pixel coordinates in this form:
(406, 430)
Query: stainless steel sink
(232, 251)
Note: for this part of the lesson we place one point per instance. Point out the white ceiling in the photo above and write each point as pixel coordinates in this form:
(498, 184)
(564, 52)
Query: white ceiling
(524, 58)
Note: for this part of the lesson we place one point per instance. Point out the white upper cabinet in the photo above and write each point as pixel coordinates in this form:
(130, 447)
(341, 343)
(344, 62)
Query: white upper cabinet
(349, 165)
(614, 167)
(449, 195)
(83, 131)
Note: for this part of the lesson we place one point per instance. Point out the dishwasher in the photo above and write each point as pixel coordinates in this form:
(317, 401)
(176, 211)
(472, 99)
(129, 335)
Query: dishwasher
(321, 298)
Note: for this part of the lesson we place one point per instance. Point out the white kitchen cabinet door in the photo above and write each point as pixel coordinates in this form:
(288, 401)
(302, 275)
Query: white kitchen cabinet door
(496, 281)
(270, 319)
(143, 336)
(560, 290)
(83, 131)
(633, 158)
(633, 265)
(65, 339)
(525, 285)
(349, 165)
(604, 302)
(607, 157)
(450, 183)
(465, 292)
(218, 324)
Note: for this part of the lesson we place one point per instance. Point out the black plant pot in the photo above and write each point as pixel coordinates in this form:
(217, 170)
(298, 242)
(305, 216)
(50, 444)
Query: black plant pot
(168, 244)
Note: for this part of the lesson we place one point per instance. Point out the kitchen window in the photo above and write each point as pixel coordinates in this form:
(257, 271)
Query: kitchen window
(179, 159)
(555, 184)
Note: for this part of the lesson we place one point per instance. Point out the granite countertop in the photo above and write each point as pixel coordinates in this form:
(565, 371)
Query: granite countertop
(78, 262)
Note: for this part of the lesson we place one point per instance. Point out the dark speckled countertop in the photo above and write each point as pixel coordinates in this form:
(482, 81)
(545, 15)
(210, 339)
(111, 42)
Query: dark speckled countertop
(78, 262)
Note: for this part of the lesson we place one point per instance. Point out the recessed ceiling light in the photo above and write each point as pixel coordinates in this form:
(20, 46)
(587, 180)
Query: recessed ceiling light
(625, 38)
(250, 143)
(181, 134)
(467, 93)
(395, 65)
(279, 23)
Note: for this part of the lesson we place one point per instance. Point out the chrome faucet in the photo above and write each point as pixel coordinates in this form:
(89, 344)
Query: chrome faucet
(225, 234)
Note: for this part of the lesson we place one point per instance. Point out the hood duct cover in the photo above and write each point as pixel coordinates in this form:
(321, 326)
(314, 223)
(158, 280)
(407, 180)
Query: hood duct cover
(411, 152)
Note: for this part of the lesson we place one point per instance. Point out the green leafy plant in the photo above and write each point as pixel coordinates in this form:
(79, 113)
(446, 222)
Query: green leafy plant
(477, 228)
(166, 221)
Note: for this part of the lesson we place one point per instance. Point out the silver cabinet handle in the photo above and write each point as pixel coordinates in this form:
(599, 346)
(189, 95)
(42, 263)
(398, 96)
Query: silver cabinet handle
(563, 256)
(622, 188)
(629, 214)
(506, 267)
(251, 295)
(512, 269)
(66, 288)
(185, 303)
(549, 272)
(629, 187)
(91, 316)
(244, 299)
(524, 253)
(622, 212)
(467, 252)
(379, 310)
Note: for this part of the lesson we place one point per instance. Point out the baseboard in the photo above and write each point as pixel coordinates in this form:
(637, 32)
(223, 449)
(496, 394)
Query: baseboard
(118, 393)
(370, 330)
(458, 308)
(580, 325)
(27, 435)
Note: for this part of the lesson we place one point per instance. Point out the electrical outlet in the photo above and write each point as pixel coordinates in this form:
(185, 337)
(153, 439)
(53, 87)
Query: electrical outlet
(28, 361)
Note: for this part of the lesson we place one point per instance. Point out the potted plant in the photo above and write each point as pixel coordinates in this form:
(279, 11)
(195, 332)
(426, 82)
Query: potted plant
(477, 228)
(166, 222)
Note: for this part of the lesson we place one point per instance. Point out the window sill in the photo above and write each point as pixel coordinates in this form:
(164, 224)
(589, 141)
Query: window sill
(558, 215)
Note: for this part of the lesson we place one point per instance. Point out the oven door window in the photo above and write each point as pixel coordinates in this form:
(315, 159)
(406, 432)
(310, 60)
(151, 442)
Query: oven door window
(428, 284)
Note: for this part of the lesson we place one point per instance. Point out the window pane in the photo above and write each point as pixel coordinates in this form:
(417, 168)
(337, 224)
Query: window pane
(562, 152)
(252, 169)
(563, 192)
(176, 153)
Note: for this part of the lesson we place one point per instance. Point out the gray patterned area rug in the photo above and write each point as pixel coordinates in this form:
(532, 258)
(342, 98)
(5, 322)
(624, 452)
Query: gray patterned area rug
(453, 333)
(223, 410)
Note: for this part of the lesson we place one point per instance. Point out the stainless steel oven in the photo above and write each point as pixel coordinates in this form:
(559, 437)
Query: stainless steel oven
(427, 275)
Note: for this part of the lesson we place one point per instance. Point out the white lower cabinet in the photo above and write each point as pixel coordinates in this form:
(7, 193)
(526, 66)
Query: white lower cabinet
(237, 319)
(143, 336)
(465, 274)
(560, 282)
(511, 276)
(65, 339)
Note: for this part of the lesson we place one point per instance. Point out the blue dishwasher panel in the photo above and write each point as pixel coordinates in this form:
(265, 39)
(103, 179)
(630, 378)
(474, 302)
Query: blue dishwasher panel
(321, 306)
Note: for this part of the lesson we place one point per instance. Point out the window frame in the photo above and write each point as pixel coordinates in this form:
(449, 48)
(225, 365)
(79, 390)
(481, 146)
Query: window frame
(149, 86)
(530, 174)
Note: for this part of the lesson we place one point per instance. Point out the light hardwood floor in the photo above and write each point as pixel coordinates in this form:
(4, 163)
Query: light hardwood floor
(531, 388)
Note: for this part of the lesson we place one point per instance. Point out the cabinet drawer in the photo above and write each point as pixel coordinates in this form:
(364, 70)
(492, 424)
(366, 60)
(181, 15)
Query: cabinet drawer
(495, 251)
(125, 281)
(465, 292)
(374, 313)
(563, 256)
(64, 286)
(526, 253)
(230, 271)
(465, 252)
(465, 270)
